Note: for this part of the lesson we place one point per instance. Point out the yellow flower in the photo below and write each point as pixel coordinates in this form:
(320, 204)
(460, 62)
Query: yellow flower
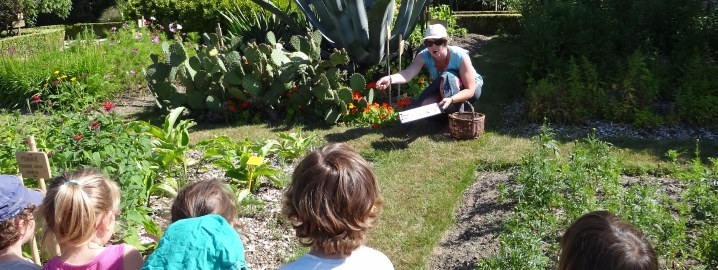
(59, 78)
(351, 106)
(57, 72)
(213, 52)
(64, 76)
(44, 85)
(73, 79)
(421, 80)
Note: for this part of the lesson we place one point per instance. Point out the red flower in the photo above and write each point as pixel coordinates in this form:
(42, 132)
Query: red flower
(295, 87)
(108, 106)
(244, 105)
(354, 110)
(232, 108)
(382, 116)
(289, 94)
(230, 102)
(78, 136)
(375, 125)
(36, 98)
(370, 85)
(95, 125)
(384, 105)
(356, 95)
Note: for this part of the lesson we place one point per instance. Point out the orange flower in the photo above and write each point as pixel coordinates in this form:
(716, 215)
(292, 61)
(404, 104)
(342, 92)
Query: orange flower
(382, 116)
(354, 110)
(421, 80)
(370, 85)
(384, 105)
(356, 95)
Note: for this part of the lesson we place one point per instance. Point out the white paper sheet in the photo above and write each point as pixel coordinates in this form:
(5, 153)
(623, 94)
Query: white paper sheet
(419, 113)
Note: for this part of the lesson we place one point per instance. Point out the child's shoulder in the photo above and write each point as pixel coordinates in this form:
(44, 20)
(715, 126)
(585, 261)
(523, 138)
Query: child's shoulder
(19, 265)
(373, 256)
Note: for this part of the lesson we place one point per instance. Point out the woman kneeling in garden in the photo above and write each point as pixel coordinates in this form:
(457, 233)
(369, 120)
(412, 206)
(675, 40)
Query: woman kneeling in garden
(454, 78)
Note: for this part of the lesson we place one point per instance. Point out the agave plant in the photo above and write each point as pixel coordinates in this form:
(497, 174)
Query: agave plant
(359, 26)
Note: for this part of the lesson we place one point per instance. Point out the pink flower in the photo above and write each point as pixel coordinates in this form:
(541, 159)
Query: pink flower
(134, 51)
(36, 98)
(95, 125)
(138, 36)
(108, 106)
(78, 136)
(147, 22)
(113, 29)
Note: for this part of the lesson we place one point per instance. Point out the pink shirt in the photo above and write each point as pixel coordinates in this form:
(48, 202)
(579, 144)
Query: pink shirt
(112, 258)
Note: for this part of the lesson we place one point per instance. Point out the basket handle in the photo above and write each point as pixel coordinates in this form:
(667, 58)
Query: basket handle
(471, 106)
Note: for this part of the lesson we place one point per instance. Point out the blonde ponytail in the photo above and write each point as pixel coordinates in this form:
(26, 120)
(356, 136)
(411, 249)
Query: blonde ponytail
(74, 204)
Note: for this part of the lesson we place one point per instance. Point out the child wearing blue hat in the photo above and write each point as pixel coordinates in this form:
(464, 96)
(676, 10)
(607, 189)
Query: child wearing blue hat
(17, 224)
(201, 235)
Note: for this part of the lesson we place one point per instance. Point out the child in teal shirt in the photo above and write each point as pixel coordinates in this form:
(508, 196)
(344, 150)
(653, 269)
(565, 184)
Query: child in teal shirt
(202, 235)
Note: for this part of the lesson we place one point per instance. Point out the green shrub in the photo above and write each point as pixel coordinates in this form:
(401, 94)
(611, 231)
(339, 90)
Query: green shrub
(640, 50)
(697, 99)
(439, 13)
(36, 41)
(98, 29)
(490, 24)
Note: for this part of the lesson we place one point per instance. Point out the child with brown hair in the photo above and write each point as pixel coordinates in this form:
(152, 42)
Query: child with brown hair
(332, 201)
(601, 241)
(201, 235)
(80, 209)
(17, 225)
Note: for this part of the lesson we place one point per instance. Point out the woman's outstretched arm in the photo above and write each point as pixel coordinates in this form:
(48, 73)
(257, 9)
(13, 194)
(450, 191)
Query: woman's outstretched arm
(402, 76)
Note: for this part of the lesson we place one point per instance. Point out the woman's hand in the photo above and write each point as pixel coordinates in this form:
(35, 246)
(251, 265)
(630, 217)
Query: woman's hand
(446, 102)
(383, 83)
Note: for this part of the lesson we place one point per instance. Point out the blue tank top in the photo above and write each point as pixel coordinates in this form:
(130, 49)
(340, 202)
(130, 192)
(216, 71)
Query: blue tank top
(456, 56)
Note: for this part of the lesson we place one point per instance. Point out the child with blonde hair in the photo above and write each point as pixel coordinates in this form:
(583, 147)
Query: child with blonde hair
(17, 225)
(201, 235)
(332, 201)
(80, 209)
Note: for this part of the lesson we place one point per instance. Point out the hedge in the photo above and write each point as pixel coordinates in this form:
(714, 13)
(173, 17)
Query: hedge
(99, 29)
(489, 23)
(47, 38)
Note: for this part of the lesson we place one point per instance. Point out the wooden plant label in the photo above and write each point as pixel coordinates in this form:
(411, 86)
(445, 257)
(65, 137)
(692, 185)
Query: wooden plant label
(33, 164)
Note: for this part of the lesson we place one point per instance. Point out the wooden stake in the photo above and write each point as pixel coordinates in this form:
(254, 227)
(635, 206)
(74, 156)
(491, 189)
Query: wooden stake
(220, 40)
(388, 69)
(401, 51)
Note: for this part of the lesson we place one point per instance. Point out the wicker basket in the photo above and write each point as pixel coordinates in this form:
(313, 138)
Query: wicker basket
(466, 125)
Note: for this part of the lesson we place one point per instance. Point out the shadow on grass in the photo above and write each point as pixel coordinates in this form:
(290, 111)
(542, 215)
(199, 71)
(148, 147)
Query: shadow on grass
(397, 137)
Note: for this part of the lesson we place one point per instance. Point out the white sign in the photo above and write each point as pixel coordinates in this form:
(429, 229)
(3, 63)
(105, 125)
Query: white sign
(33, 164)
(419, 113)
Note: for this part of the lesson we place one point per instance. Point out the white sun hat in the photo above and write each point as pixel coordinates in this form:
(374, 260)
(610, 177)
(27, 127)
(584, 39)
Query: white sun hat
(435, 31)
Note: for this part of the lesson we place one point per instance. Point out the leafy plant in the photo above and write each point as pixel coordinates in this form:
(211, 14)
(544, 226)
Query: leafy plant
(293, 145)
(170, 142)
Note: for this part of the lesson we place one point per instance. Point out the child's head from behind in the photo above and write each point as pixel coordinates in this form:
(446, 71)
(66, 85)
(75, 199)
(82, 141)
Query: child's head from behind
(16, 206)
(332, 200)
(81, 207)
(203, 198)
(601, 240)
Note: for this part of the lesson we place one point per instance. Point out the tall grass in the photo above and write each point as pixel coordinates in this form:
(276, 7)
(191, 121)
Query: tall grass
(100, 68)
